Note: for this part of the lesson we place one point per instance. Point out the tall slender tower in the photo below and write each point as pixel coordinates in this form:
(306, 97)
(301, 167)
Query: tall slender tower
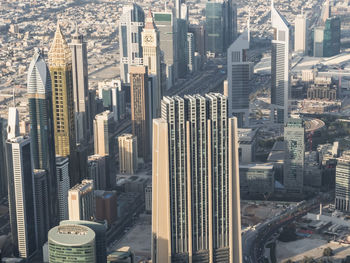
(80, 87)
(41, 128)
(301, 35)
(3, 177)
(60, 65)
(21, 196)
(151, 57)
(130, 28)
(280, 66)
(238, 76)
(195, 186)
(140, 110)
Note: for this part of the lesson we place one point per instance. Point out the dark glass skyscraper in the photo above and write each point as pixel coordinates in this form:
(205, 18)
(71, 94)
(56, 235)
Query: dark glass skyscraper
(331, 39)
(41, 127)
(3, 179)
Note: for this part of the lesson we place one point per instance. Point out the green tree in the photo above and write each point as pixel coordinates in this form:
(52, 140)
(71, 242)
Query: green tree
(328, 252)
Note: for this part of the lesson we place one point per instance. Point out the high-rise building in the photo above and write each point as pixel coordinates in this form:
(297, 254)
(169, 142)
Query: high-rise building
(42, 129)
(140, 112)
(166, 25)
(238, 75)
(97, 168)
(103, 126)
(199, 38)
(196, 203)
(62, 173)
(280, 66)
(81, 201)
(72, 243)
(301, 35)
(128, 161)
(60, 65)
(342, 183)
(332, 35)
(182, 30)
(151, 58)
(41, 205)
(13, 123)
(190, 52)
(100, 237)
(80, 87)
(121, 255)
(130, 28)
(326, 11)
(21, 196)
(3, 176)
(294, 138)
(106, 206)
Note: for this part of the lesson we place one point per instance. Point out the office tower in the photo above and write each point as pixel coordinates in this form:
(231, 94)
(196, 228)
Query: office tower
(196, 203)
(199, 38)
(103, 127)
(41, 205)
(238, 75)
(166, 24)
(280, 65)
(332, 35)
(80, 87)
(60, 65)
(72, 243)
(127, 154)
(97, 170)
(3, 176)
(148, 198)
(41, 128)
(62, 173)
(342, 183)
(301, 35)
(294, 137)
(130, 28)
(140, 113)
(21, 196)
(100, 237)
(257, 179)
(113, 98)
(190, 53)
(81, 201)
(151, 58)
(12, 123)
(106, 206)
(121, 255)
(182, 30)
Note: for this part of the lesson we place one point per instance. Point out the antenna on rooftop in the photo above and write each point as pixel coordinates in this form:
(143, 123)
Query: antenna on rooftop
(272, 4)
(248, 22)
(13, 96)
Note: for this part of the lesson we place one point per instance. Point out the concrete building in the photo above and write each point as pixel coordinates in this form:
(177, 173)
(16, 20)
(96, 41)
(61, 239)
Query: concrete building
(191, 65)
(128, 158)
(81, 201)
(62, 172)
(280, 67)
(246, 145)
(100, 237)
(130, 27)
(98, 170)
(140, 111)
(342, 183)
(80, 88)
(106, 206)
(121, 255)
(185, 223)
(322, 88)
(239, 72)
(21, 196)
(151, 59)
(72, 243)
(103, 126)
(166, 24)
(42, 131)
(148, 198)
(294, 138)
(301, 34)
(257, 179)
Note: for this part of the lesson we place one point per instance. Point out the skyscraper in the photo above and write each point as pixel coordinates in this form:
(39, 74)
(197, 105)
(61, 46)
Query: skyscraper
(103, 127)
(72, 243)
(196, 203)
(342, 183)
(60, 65)
(80, 87)
(130, 28)
(41, 128)
(98, 170)
(62, 172)
(181, 37)
(166, 24)
(190, 52)
(21, 196)
(238, 75)
(12, 123)
(280, 66)
(301, 35)
(151, 57)
(294, 137)
(81, 201)
(3, 176)
(332, 35)
(127, 154)
(140, 112)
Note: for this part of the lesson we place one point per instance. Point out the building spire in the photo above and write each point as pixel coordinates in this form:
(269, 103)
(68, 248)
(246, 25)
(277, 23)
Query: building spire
(248, 26)
(149, 23)
(272, 5)
(59, 54)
